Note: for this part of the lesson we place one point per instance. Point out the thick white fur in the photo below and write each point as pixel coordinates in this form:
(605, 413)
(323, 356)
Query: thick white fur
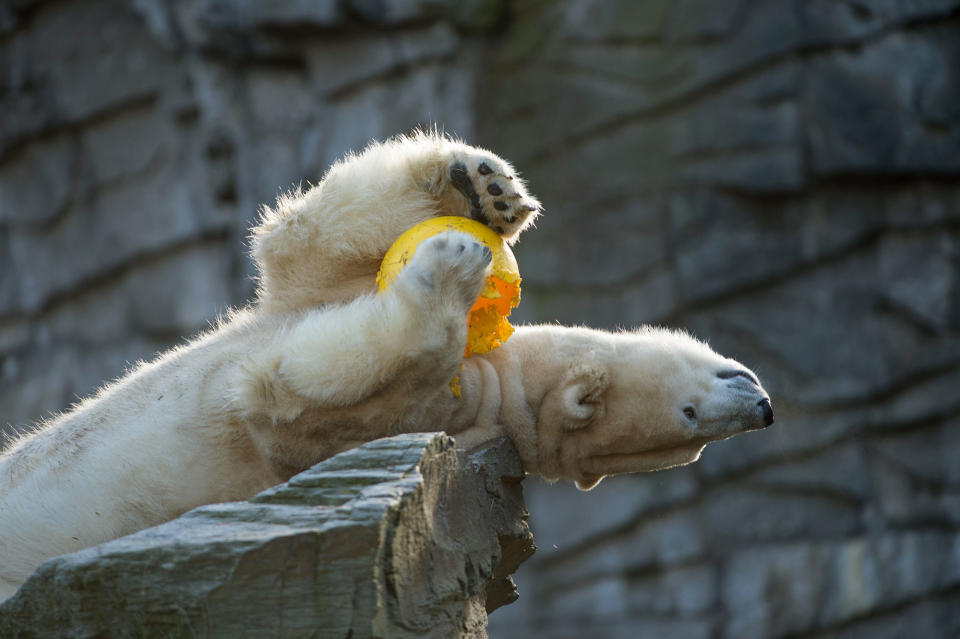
(319, 364)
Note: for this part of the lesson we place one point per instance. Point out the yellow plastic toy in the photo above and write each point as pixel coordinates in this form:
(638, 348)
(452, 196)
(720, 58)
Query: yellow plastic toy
(487, 325)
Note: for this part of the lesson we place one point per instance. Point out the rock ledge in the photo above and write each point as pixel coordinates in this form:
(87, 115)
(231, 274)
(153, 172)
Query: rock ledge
(401, 537)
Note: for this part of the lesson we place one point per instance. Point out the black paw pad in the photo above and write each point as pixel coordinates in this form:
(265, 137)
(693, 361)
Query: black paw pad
(494, 189)
(461, 181)
(484, 169)
(500, 205)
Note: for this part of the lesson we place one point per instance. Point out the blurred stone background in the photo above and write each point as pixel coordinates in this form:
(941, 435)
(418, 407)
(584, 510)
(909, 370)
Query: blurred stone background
(780, 177)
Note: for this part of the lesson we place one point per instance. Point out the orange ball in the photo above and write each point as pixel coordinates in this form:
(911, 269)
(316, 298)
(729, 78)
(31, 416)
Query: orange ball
(487, 322)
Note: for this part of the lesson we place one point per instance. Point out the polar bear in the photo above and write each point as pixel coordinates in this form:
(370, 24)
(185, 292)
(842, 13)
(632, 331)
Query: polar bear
(320, 363)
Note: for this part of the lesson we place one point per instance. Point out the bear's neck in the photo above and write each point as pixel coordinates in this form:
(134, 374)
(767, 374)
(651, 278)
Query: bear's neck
(504, 389)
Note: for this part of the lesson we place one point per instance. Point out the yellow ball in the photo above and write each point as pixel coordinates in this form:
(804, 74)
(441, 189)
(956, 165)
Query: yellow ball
(487, 322)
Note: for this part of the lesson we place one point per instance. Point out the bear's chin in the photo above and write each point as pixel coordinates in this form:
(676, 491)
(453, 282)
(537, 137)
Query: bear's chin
(594, 468)
(587, 482)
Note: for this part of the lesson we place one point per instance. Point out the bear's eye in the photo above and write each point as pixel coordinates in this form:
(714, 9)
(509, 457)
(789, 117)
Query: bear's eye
(689, 413)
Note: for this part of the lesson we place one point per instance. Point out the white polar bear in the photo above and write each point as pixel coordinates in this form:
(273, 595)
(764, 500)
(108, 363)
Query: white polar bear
(319, 363)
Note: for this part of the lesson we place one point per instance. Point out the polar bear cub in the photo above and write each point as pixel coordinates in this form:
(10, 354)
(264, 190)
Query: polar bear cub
(320, 363)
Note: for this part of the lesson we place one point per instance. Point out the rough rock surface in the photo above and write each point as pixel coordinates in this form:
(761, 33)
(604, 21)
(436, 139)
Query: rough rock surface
(779, 177)
(402, 537)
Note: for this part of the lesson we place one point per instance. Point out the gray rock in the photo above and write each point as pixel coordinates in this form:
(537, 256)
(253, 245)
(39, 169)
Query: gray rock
(158, 16)
(610, 507)
(189, 288)
(141, 223)
(474, 15)
(861, 121)
(684, 591)
(933, 617)
(123, 65)
(914, 479)
(402, 537)
(27, 106)
(247, 15)
(703, 19)
(841, 470)
(630, 627)
(746, 137)
(386, 12)
(434, 92)
(739, 517)
(373, 56)
(774, 590)
(573, 248)
(36, 184)
(649, 298)
(925, 453)
(757, 247)
(922, 290)
(785, 590)
(588, 602)
(758, 171)
(14, 336)
(837, 21)
(599, 20)
(265, 89)
(133, 142)
(658, 541)
(607, 89)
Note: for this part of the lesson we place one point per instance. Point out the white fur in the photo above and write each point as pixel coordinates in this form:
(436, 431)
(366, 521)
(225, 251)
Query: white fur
(320, 363)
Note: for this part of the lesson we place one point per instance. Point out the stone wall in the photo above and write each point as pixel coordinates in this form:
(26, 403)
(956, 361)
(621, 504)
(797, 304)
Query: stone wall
(781, 178)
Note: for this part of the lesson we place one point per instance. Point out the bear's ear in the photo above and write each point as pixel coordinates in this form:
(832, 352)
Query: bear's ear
(581, 397)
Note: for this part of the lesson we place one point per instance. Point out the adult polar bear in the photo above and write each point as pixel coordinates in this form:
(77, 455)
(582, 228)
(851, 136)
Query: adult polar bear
(319, 364)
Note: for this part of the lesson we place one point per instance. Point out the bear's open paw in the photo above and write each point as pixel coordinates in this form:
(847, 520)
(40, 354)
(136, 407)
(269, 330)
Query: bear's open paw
(451, 265)
(497, 197)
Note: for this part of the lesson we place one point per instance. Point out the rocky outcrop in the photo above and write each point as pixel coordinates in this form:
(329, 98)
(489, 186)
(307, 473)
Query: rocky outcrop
(402, 537)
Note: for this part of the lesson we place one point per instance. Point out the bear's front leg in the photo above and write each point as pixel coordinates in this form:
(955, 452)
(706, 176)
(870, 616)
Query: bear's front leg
(410, 179)
(341, 356)
(325, 245)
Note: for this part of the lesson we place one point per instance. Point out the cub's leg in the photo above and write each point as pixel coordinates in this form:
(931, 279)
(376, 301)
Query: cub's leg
(325, 244)
(339, 357)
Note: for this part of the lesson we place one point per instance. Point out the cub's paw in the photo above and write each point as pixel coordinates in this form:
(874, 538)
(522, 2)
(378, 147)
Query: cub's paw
(450, 265)
(497, 197)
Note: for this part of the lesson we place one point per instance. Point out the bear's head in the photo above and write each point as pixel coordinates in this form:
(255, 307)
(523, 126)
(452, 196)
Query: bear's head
(640, 401)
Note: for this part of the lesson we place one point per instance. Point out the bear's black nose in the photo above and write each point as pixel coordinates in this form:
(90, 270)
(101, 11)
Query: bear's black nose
(767, 411)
